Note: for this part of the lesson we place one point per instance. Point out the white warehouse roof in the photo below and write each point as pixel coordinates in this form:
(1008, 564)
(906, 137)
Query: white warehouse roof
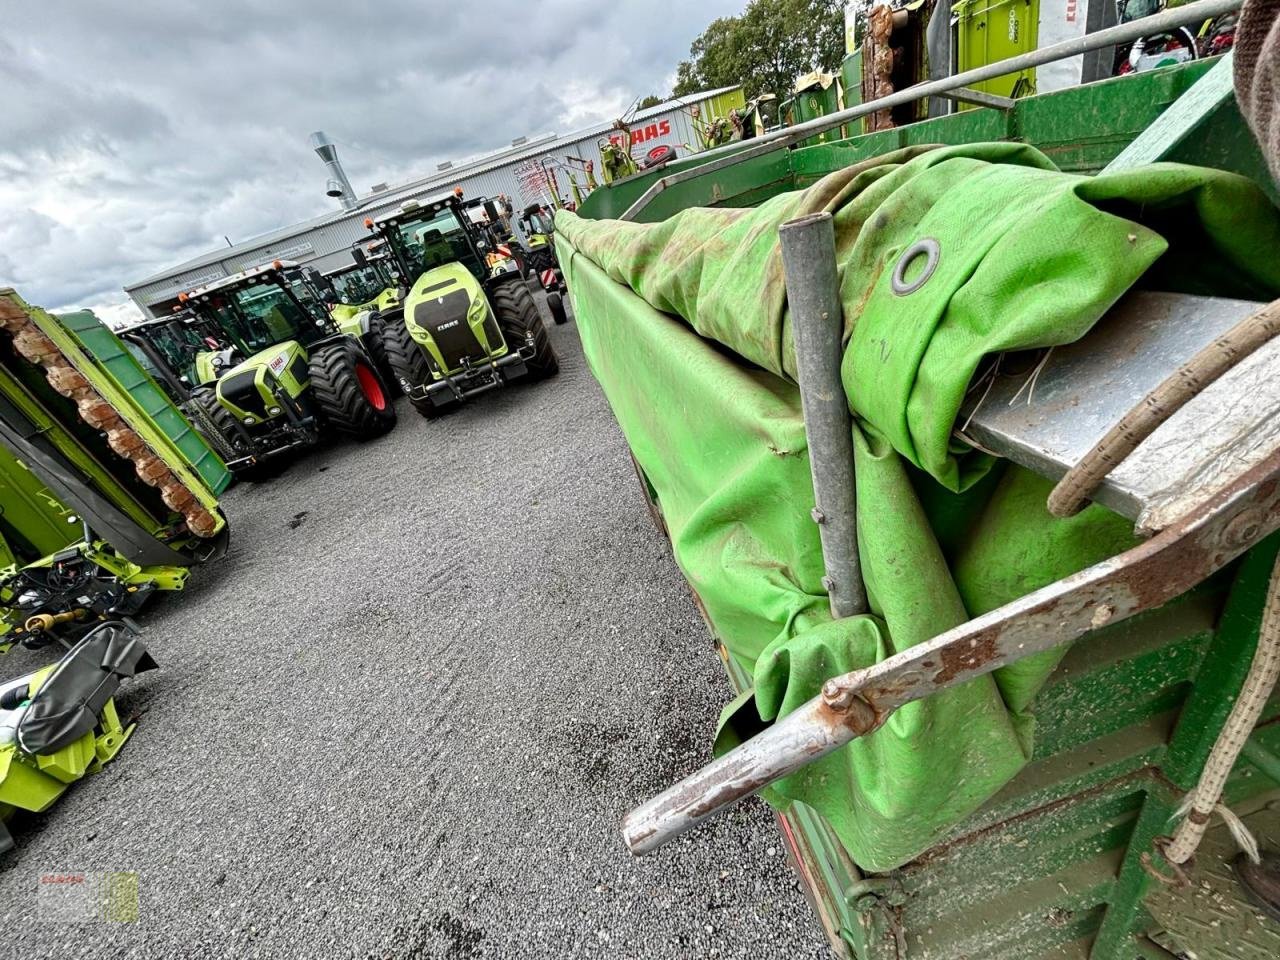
(326, 239)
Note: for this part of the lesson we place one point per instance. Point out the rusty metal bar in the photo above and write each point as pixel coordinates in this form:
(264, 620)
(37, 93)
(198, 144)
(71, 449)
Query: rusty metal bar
(856, 703)
(1196, 12)
(817, 324)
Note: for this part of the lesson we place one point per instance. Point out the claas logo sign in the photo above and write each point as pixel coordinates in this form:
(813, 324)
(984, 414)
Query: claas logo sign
(648, 132)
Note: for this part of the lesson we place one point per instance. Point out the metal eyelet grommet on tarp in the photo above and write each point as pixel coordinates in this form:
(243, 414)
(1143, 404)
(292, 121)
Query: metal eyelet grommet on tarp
(931, 250)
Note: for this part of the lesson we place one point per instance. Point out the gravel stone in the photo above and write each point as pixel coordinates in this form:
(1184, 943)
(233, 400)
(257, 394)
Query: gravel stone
(409, 726)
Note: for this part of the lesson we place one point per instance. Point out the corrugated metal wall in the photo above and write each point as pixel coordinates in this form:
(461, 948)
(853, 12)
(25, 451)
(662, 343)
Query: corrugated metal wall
(325, 243)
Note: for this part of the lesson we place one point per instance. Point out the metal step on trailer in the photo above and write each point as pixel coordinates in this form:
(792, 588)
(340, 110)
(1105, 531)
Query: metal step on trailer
(1045, 411)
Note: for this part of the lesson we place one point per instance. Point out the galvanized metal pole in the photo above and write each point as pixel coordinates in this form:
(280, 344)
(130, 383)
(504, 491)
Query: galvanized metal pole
(809, 732)
(817, 323)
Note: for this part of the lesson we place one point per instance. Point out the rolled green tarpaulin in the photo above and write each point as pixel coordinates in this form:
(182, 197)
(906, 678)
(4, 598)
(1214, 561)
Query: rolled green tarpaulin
(684, 324)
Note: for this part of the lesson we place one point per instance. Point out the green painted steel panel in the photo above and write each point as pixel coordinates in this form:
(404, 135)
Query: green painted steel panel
(105, 347)
(993, 30)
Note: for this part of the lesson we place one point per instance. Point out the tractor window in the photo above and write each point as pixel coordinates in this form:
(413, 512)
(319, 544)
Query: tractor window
(234, 326)
(540, 223)
(433, 243)
(357, 286)
(270, 315)
(177, 345)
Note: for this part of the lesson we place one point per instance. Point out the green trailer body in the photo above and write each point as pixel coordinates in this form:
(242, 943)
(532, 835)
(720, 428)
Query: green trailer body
(1056, 863)
(1080, 129)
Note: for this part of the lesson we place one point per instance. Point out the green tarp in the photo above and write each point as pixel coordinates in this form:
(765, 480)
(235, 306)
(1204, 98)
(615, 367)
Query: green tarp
(684, 324)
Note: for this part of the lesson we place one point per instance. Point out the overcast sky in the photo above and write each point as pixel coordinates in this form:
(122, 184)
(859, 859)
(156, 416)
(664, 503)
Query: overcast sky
(136, 135)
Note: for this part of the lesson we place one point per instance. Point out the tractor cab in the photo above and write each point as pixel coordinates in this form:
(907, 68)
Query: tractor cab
(180, 352)
(468, 321)
(536, 220)
(264, 307)
(362, 285)
(424, 236)
(541, 257)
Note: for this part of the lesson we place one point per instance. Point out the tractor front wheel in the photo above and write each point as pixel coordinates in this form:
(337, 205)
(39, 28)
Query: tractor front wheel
(214, 422)
(409, 364)
(233, 446)
(519, 320)
(375, 343)
(350, 396)
(556, 305)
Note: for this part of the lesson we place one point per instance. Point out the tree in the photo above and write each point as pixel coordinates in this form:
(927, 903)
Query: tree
(766, 48)
(650, 101)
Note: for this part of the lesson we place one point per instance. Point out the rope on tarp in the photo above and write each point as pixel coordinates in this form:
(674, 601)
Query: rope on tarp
(1211, 362)
(1070, 496)
(1258, 684)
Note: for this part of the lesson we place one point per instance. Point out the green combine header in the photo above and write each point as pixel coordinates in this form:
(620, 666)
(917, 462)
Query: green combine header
(109, 493)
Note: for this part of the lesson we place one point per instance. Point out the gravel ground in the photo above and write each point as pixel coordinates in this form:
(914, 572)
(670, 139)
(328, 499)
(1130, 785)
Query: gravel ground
(404, 717)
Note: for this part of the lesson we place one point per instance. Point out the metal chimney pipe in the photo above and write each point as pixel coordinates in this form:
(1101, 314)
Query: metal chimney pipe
(338, 186)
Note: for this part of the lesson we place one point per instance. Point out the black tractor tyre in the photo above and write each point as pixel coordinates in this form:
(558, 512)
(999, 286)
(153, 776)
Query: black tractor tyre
(556, 306)
(541, 259)
(350, 397)
(224, 421)
(216, 419)
(409, 366)
(374, 342)
(518, 318)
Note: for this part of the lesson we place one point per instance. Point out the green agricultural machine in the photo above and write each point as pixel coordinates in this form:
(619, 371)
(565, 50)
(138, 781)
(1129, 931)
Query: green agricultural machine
(270, 368)
(109, 495)
(980, 506)
(540, 256)
(178, 353)
(468, 326)
(367, 284)
(363, 299)
(60, 723)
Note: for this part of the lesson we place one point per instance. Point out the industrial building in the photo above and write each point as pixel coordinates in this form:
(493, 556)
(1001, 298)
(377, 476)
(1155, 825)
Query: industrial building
(516, 171)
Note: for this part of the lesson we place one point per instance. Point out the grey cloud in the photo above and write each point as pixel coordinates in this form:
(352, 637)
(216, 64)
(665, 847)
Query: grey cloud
(137, 135)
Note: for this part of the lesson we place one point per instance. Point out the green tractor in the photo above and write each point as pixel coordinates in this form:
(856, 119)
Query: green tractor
(270, 368)
(108, 494)
(540, 257)
(178, 353)
(503, 252)
(361, 298)
(468, 325)
(367, 283)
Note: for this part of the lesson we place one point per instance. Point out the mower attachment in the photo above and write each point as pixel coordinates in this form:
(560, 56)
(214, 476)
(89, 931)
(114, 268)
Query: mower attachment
(60, 723)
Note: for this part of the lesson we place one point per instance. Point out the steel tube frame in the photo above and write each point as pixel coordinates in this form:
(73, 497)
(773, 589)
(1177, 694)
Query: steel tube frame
(817, 324)
(1121, 33)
